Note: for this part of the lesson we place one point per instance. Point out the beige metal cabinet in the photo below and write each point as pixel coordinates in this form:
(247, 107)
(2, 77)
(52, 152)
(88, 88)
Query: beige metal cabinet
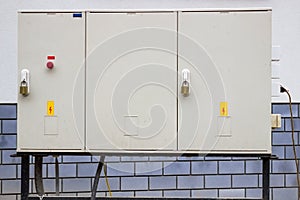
(51, 117)
(146, 82)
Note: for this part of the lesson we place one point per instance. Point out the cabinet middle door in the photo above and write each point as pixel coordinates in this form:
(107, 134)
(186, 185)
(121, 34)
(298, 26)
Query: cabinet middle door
(131, 83)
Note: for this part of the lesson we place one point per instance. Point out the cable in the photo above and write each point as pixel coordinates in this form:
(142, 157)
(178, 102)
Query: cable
(282, 90)
(97, 176)
(106, 180)
(38, 175)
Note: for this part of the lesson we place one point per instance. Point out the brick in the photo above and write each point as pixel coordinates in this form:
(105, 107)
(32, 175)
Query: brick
(49, 185)
(76, 159)
(134, 183)
(123, 194)
(76, 184)
(260, 180)
(253, 166)
(242, 158)
(87, 169)
(289, 152)
(88, 194)
(148, 193)
(278, 151)
(51, 159)
(7, 159)
(11, 187)
(217, 181)
(173, 168)
(177, 193)
(8, 141)
(134, 158)
(68, 194)
(114, 183)
(236, 193)
(291, 180)
(191, 158)
(9, 126)
(8, 111)
(65, 194)
(190, 182)
(207, 193)
(245, 180)
(8, 171)
(284, 110)
(120, 169)
(283, 166)
(284, 193)
(107, 159)
(231, 167)
(148, 168)
(254, 193)
(276, 180)
(162, 158)
(65, 170)
(50, 171)
(163, 182)
(216, 158)
(283, 138)
(288, 126)
(205, 167)
(8, 197)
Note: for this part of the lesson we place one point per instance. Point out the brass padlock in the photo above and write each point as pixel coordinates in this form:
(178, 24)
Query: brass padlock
(24, 88)
(185, 88)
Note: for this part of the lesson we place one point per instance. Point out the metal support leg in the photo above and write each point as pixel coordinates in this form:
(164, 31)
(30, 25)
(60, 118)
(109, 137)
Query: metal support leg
(25, 177)
(266, 178)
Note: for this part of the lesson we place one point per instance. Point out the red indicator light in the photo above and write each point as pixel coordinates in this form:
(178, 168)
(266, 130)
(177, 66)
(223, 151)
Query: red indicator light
(51, 57)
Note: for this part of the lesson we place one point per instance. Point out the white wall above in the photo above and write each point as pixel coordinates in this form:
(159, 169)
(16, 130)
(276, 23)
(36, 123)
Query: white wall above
(286, 32)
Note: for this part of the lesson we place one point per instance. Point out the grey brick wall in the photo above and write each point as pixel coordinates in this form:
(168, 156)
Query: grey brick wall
(158, 176)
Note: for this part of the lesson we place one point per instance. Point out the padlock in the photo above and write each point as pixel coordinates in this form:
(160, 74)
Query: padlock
(185, 88)
(24, 88)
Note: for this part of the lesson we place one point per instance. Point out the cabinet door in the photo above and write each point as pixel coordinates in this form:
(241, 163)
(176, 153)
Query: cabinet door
(51, 117)
(131, 81)
(228, 56)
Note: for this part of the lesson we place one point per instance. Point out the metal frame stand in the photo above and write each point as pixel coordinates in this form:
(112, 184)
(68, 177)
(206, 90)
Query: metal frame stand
(266, 177)
(24, 177)
(25, 182)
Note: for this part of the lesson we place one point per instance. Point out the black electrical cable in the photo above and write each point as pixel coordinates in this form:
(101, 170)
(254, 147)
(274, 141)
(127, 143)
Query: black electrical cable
(282, 90)
(38, 175)
(97, 176)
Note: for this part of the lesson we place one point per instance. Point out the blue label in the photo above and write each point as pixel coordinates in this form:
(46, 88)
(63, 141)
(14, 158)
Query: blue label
(77, 14)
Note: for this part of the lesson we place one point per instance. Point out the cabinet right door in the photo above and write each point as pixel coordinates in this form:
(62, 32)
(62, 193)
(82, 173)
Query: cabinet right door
(228, 56)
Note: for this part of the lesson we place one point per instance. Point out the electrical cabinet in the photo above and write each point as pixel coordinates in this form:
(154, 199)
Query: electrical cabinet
(51, 116)
(168, 82)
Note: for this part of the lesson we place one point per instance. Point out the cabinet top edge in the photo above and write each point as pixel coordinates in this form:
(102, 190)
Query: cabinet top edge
(248, 9)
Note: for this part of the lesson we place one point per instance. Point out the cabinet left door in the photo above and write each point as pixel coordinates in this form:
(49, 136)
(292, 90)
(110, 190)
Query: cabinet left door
(51, 46)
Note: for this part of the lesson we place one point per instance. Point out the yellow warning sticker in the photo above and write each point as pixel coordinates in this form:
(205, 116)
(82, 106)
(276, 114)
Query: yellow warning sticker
(223, 109)
(50, 108)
